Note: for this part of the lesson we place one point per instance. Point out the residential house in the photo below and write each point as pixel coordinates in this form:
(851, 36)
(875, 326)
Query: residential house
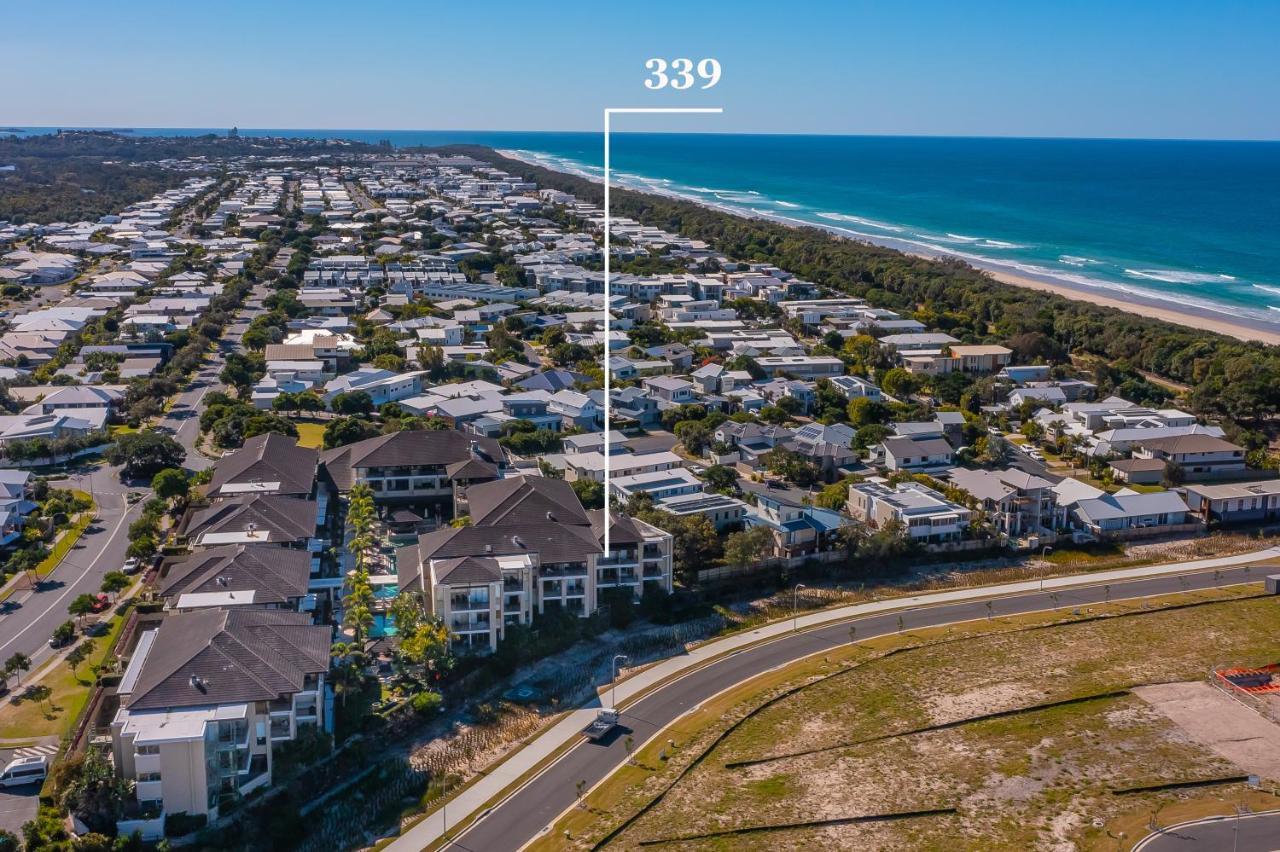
(925, 515)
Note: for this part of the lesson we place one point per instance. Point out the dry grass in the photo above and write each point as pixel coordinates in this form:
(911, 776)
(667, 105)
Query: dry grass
(1036, 780)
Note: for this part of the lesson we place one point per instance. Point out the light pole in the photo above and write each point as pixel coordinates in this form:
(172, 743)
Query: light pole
(795, 613)
(613, 690)
(1044, 557)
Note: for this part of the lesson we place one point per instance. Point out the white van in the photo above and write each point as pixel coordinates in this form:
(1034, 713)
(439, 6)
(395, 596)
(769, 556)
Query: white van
(24, 770)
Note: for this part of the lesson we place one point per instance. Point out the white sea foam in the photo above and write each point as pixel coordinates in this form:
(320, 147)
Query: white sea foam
(858, 220)
(1267, 289)
(1175, 276)
(945, 245)
(788, 205)
(1000, 244)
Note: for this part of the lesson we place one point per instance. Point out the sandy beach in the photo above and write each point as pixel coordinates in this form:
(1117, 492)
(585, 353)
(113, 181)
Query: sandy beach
(1202, 320)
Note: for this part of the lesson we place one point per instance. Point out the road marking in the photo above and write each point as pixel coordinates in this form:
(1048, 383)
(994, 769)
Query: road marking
(70, 587)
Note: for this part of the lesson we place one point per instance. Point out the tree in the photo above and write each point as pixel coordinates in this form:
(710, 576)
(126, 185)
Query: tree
(352, 402)
(590, 493)
(833, 496)
(145, 453)
(115, 582)
(695, 435)
(899, 383)
(79, 655)
(747, 547)
(17, 664)
(64, 633)
(348, 430)
(242, 371)
(81, 605)
(722, 479)
(172, 483)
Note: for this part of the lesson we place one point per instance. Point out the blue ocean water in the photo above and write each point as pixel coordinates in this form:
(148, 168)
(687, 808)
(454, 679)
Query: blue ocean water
(1185, 223)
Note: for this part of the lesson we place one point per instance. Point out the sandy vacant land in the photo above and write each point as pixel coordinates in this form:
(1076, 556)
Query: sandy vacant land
(863, 739)
(1223, 724)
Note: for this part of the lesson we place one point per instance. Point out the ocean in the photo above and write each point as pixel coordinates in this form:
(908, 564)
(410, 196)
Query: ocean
(1188, 224)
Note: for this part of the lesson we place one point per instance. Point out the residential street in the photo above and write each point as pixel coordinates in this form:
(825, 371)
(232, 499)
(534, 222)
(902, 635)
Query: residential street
(524, 814)
(28, 617)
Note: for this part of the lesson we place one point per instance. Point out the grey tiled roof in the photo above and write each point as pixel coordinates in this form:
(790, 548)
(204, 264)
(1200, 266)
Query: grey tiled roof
(275, 574)
(275, 519)
(403, 449)
(219, 656)
(268, 458)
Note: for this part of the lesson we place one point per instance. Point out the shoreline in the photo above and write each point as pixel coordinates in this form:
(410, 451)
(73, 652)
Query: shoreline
(1205, 319)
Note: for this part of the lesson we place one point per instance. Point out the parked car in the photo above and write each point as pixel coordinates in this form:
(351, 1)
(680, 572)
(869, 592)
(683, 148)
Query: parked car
(131, 565)
(101, 603)
(25, 770)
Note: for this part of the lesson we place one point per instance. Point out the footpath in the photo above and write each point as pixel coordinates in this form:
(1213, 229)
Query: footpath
(503, 777)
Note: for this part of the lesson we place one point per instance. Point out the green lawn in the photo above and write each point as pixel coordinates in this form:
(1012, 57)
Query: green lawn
(310, 434)
(71, 691)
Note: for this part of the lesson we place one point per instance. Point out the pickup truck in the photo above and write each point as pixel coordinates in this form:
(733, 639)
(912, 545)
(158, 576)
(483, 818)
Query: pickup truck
(606, 720)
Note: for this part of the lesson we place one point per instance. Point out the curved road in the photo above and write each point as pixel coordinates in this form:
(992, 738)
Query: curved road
(523, 815)
(1257, 833)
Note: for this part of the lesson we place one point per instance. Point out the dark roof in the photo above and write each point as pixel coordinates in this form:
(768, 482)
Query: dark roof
(1137, 465)
(623, 531)
(468, 569)
(274, 574)
(221, 656)
(472, 469)
(404, 449)
(267, 458)
(1194, 443)
(525, 499)
(275, 519)
(552, 542)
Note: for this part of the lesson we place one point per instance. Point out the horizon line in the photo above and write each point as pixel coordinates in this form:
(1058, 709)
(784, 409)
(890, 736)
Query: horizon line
(870, 135)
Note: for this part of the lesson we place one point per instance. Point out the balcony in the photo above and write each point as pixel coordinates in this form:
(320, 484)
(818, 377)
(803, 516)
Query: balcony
(458, 603)
(281, 727)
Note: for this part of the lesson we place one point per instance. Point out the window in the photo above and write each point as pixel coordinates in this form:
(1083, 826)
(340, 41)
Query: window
(148, 776)
(148, 749)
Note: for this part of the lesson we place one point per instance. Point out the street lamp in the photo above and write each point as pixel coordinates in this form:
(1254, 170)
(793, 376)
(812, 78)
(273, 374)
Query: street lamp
(1044, 557)
(795, 613)
(613, 690)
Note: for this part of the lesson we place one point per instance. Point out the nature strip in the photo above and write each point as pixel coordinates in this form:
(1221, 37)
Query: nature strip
(1181, 785)
(985, 717)
(631, 820)
(791, 826)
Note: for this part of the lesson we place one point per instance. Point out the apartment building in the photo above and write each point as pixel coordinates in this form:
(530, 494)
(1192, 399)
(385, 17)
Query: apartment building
(206, 699)
(429, 471)
(530, 548)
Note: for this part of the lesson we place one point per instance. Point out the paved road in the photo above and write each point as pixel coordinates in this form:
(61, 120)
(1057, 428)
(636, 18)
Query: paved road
(524, 815)
(1257, 833)
(20, 804)
(183, 418)
(28, 617)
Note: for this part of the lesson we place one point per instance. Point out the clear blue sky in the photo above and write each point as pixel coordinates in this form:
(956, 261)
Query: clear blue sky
(1032, 68)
